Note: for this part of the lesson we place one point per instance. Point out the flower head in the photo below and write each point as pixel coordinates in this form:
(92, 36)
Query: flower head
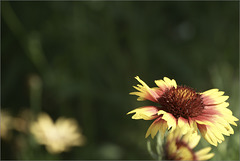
(182, 106)
(181, 147)
(59, 136)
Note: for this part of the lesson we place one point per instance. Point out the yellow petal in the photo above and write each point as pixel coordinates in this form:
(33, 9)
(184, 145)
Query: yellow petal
(146, 112)
(217, 94)
(206, 134)
(220, 99)
(163, 128)
(184, 153)
(223, 105)
(194, 140)
(154, 128)
(225, 111)
(211, 91)
(145, 86)
(174, 83)
(216, 133)
(204, 122)
(193, 125)
(145, 92)
(186, 137)
(230, 119)
(203, 151)
(222, 129)
(172, 147)
(171, 120)
(225, 124)
(161, 84)
(209, 136)
(170, 83)
(183, 124)
(167, 81)
(206, 157)
(161, 112)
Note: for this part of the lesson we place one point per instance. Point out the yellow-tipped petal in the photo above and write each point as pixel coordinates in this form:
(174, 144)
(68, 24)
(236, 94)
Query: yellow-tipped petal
(157, 125)
(144, 91)
(184, 153)
(163, 128)
(170, 119)
(220, 99)
(230, 119)
(142, 82)
(161, 84)
(161, 112)
(174, 83)
(225, 124)
(172, 147)
(183, 124)
(146, 112)
(203, 151)
(211, 138)
(171, 136)
(139, 88)
(222, 129)
(223, 105)
(207, 134)
(217, 133)
(166, 83)
(194, 140)
(203, 154)
(204, 122)
(225, 111)
(217, 94)
(193, 125)
(211, 91)
(206, 157)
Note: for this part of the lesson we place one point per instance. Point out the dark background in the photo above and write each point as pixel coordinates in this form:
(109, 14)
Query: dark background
(87, 54)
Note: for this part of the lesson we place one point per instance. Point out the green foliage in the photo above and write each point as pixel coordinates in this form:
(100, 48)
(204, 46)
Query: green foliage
(87, 53)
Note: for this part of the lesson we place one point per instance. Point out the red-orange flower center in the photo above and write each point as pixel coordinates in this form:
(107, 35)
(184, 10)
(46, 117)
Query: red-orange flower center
(181, 102)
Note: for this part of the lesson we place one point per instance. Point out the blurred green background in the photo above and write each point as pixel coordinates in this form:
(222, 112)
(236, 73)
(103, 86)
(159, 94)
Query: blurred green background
(87, 54)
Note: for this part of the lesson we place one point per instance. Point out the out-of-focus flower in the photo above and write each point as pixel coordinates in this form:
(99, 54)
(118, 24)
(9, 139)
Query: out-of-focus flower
(59, 136)
(182, 106)
(21, 123)
(181, 147)
(6, 125)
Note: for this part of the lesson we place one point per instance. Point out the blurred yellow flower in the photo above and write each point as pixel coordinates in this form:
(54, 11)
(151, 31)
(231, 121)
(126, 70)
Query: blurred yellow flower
(180, 147)
(57, 137)
(6, 125)
(22, 121)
